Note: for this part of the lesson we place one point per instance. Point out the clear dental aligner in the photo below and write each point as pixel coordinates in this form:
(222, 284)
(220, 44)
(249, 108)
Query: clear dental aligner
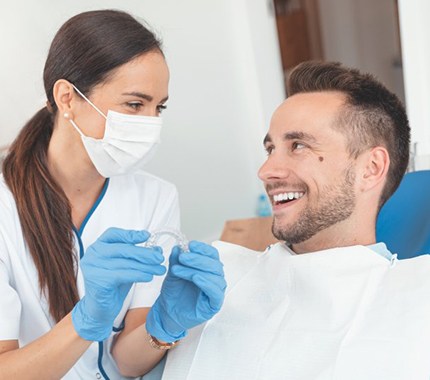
(180, 238)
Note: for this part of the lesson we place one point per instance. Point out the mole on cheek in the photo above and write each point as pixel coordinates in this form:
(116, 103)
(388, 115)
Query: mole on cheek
(321, 159)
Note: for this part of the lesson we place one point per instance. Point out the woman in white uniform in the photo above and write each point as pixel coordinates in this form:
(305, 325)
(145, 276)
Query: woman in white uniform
(80, 296)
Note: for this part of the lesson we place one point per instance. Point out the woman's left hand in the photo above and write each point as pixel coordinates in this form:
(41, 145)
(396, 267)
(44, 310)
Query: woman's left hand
(192, 292)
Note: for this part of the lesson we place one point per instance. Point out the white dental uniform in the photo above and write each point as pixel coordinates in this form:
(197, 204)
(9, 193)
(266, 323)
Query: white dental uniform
(138, 201)
(344, 314)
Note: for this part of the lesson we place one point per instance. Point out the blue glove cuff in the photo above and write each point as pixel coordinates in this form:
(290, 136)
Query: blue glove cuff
(155, 327)
(88, 328)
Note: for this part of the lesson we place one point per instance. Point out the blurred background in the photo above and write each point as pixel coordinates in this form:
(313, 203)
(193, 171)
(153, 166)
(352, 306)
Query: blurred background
(228, 62)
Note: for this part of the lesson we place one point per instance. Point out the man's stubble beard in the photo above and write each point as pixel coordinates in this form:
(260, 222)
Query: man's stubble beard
(336, 206)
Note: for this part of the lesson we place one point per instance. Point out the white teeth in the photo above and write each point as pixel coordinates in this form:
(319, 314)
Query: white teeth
(287, 196)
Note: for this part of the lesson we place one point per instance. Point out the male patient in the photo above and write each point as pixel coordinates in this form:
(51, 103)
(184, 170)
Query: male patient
(329, 303)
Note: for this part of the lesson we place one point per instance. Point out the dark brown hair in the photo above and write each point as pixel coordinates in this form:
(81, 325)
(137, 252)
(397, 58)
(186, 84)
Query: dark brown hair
(84, 51)
(372, 116)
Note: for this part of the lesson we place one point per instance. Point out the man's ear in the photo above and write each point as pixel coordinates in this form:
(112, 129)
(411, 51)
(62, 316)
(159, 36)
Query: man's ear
(64, 95)
(375, 164)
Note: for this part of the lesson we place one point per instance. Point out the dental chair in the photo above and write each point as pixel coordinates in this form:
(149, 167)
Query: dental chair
(403, 223)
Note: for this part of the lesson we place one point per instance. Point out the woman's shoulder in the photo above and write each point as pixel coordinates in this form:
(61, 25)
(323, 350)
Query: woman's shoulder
(7, 201)
(10, 232)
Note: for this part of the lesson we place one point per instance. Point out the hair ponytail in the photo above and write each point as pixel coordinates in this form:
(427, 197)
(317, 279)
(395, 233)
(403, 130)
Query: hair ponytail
(44, 212)
(85, 51)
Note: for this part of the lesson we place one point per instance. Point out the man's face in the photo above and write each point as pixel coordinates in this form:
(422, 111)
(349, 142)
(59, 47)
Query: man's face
(309, 175)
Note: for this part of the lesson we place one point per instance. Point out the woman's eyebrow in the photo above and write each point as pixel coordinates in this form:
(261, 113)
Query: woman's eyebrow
(149, 98)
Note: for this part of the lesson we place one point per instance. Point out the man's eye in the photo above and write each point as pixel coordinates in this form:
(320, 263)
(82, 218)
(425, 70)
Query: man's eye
(297, 145)
(269, 149)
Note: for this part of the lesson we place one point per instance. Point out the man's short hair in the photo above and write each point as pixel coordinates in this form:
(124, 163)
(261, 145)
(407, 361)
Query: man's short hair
(372, 116)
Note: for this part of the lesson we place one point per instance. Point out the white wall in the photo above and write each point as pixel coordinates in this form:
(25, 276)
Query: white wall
(226, 80)
(363, 34)
(415, 35)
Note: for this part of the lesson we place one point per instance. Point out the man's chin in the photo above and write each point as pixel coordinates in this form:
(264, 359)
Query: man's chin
(281, 226)
(281, 232)
(289, 234)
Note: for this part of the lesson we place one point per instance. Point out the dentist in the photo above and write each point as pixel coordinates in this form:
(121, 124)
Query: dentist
(76, 287)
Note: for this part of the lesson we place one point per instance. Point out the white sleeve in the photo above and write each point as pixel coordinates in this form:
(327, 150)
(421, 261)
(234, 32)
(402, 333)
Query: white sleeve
(10, 304)
(145, 293)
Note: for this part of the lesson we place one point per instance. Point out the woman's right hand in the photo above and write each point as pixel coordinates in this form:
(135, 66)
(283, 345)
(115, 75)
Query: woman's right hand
(192, 292)
(110, 266)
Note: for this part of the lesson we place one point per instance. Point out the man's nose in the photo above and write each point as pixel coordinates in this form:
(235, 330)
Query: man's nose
(274, 168)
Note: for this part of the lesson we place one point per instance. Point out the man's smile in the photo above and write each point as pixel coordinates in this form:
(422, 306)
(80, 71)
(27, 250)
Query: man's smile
(283, 199)
(286, 197)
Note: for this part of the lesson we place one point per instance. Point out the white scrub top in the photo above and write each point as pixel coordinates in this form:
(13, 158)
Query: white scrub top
(138, 201)
(341, 314)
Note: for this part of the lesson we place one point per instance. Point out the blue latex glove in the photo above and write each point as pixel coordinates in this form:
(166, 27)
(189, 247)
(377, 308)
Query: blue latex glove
(192, 292)
(110, 266)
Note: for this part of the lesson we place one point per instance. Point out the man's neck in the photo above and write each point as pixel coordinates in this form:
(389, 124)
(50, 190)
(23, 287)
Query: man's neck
(338, 235)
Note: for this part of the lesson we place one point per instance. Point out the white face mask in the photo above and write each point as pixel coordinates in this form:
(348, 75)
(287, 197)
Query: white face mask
(129, 142)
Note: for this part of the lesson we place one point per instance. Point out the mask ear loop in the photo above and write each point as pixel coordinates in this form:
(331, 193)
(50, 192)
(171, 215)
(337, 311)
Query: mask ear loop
(89, 101)
(67, 116)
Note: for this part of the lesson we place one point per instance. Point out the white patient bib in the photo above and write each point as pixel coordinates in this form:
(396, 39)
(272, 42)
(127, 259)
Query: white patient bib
(344, 313)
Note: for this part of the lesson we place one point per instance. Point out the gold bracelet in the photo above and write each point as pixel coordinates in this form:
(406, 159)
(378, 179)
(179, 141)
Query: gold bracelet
(155, 343)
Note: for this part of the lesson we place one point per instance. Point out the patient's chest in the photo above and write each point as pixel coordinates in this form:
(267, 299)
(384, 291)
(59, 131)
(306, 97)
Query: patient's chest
(340, 315)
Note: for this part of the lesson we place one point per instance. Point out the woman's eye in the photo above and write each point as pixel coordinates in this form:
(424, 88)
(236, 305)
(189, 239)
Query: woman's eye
(135, 105)
(161, 108)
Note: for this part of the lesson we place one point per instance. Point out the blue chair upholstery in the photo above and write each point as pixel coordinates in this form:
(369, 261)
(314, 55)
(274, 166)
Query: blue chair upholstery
(403, 223)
